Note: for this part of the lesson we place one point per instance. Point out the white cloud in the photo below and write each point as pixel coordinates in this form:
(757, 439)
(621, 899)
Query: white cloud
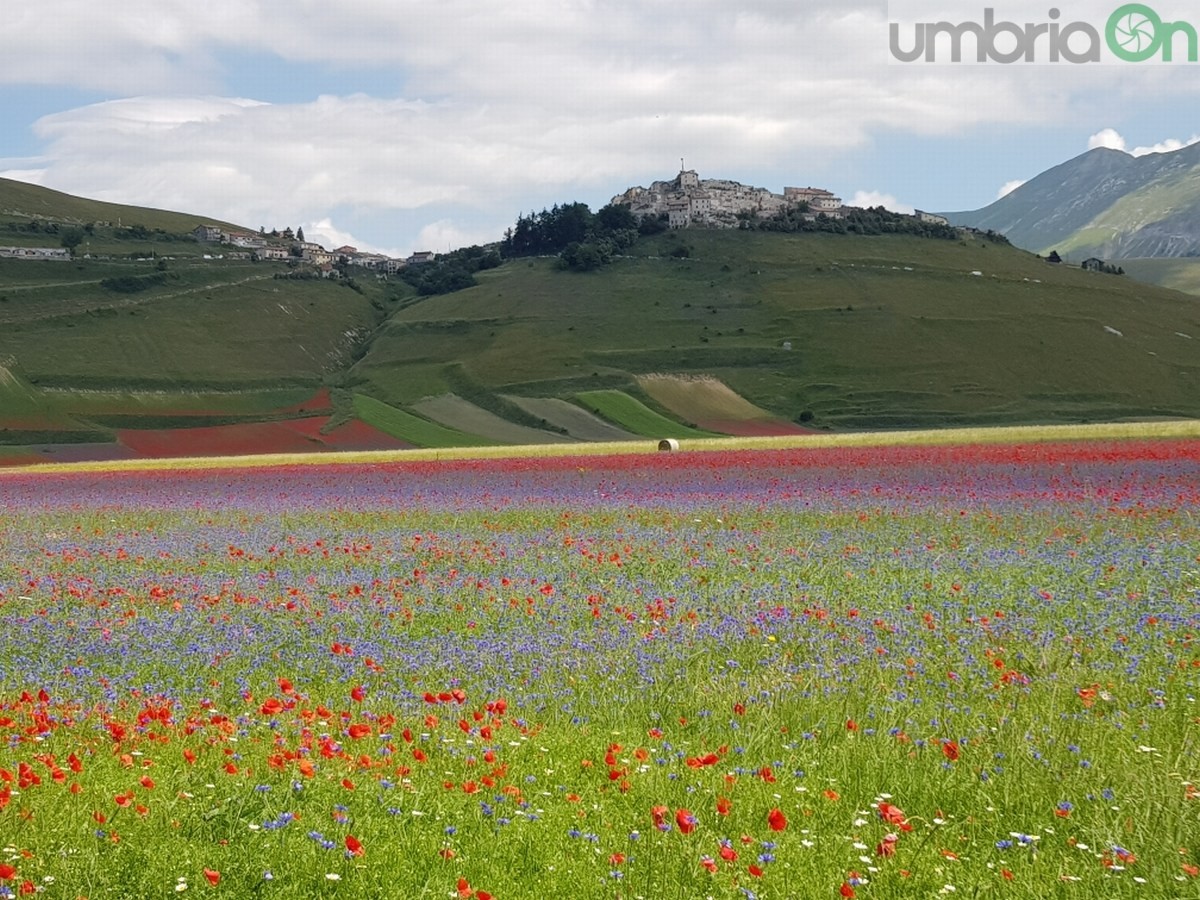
(1167, 146)
(29, 176)
(444, 235)
(475, 108)
(329, 236)
(867, 199)
(1008, 187)
(1108, 137)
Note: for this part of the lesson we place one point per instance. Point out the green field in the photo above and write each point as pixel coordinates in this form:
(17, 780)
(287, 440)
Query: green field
(411, 428)
(632, 415)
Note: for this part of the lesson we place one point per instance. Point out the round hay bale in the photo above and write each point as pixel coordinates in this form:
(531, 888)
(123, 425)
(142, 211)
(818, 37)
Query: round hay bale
(668, 445)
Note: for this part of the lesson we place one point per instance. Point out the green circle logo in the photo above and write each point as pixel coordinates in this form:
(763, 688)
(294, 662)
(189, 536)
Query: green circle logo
(1134, 32)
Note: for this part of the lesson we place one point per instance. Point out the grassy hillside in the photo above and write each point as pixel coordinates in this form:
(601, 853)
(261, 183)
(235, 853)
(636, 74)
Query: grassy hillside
(196, 325)
(837, 331)
(1178, 274)
(883, 331)
(21, 202)
(1140, 224)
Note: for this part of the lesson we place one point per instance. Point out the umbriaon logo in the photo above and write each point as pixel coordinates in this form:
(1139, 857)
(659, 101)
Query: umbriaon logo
(1133, 33)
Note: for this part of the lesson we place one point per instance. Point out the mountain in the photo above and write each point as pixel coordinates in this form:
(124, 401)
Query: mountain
(1103, 203)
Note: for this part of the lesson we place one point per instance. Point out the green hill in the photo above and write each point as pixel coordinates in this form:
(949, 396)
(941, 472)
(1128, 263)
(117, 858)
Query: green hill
(883, 331)
(23, 203)
(838, 331)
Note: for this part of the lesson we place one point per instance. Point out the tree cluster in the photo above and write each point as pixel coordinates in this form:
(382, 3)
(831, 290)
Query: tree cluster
(582, 240)
(451, 271)
(872, 221)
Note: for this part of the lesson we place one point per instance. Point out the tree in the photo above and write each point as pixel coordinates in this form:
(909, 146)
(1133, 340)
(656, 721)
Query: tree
(1054, 257)
(300, 234)
(71, 238)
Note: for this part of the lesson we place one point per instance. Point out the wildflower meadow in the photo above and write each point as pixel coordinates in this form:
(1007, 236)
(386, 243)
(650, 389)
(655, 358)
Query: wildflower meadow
(861, 672)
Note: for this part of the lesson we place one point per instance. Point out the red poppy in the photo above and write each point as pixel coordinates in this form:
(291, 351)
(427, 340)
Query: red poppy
(685, 820)
(354, 845)
(777, 820)
(271, 707)
(212, 875)
(845, 890)
(950, 750)
(358, 694)
(359, 730)
(7, 872)
(755, 870)
(893, 815)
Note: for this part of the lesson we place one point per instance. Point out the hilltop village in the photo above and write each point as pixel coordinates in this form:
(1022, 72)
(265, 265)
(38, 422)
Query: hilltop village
(687, 200)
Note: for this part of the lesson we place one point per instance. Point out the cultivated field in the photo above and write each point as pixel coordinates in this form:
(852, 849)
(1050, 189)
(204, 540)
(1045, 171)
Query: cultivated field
(916, 670)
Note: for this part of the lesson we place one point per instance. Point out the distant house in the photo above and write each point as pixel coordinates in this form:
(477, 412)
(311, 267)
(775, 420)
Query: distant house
(1092, 264)
(58, 253)
(207, 234)
(274, 252)
(246, 240)
(346, 251)
(421, 256)
(317, 257)
(931, 218)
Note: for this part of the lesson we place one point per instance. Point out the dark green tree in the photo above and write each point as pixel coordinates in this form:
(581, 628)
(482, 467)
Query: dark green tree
(71, 237)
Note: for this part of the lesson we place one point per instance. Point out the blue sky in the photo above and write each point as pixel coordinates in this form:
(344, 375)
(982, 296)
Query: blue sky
(403, 126)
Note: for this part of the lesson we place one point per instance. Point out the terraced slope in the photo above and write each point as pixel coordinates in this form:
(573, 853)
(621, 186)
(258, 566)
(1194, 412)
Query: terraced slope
(455, 412)
(577, 422)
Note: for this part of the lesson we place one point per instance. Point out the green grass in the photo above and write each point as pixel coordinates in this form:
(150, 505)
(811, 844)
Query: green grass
(206, 326)
(408, 427)
(633, 415)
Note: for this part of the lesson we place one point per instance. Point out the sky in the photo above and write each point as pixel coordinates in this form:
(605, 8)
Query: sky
(398, 126)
